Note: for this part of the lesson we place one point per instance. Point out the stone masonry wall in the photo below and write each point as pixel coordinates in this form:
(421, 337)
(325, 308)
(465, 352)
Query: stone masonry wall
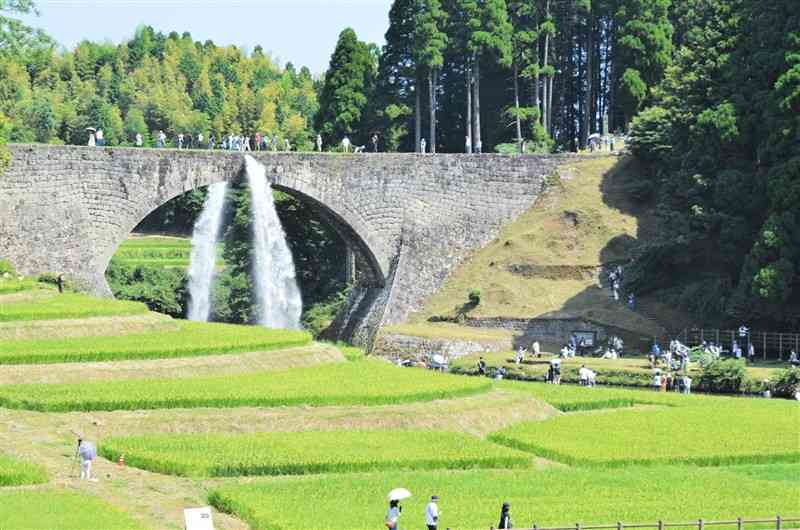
(67, 209)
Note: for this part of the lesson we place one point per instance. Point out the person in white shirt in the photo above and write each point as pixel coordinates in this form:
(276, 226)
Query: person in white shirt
(537, 351)
(346, 144)
(422, 145)
(520, 355)
(319, 143)
(100, 139)
(432, 513)
(139, 140)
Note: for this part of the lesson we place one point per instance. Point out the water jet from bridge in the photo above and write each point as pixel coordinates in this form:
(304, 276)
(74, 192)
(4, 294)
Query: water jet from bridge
(278, 300)
(204, 253)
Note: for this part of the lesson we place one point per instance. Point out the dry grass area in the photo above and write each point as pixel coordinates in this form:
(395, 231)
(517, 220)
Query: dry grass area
(546, 263)
(86, 327)
(214, 365)
(158, 500)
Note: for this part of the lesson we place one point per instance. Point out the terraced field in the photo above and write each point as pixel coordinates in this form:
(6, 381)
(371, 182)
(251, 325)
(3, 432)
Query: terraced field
(198, 410)
(159, 251)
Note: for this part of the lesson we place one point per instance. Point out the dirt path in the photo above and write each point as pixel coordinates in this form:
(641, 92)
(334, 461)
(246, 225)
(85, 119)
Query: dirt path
(86, 327)
(164, 368)
(158, 500)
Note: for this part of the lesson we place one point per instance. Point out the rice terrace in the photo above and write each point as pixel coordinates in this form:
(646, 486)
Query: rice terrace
(477, 264)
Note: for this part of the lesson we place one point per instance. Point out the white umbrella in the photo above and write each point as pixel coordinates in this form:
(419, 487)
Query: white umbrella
(439, 359)
(92, 129)
(398, 494)
(595, 135)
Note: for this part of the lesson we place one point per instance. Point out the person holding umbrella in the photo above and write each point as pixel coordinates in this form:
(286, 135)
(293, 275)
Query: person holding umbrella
(92, 141)
(393, 515)
(88, 452)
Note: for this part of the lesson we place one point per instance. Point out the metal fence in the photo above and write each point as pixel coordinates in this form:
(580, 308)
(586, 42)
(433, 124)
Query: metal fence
(779, 523)
(767, 344)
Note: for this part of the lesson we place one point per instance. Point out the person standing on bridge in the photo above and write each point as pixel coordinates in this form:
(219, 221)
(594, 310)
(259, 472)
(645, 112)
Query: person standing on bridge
(100, 138)
(468, 145)
(319, 143)
(479, 147)
(258, 141)
(199, 140)
(422, 145)
(346, 144)
(375, 143)
(162, 139)
(92, 139)
(139, 140)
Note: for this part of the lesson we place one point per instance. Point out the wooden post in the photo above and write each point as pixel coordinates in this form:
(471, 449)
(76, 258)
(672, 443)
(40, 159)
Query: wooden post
(700, 524)
(619, 525)
(660, 525)
(739, 523)
(777, 522)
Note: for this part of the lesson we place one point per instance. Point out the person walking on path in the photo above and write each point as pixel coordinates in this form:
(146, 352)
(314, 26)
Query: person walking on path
(537, 351)
(432, 513)
(87, 453)
(139, 140)
(258, 141)
(422, 146)
(346, 144)
(393, 515)
(505, 517)
(374, 143)
(100, 138)
(162, 139)
(319, 143)
(92, 140)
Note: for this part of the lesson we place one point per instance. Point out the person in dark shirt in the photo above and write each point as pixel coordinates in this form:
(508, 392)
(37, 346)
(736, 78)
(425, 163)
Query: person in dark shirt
(505, 517)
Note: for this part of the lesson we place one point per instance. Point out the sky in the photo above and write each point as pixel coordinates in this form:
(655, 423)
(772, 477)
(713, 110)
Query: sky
(301, 31)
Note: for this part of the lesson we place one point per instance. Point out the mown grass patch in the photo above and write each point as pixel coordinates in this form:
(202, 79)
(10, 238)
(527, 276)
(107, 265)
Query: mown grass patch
(472, 499)
(361, 383)
(62, 510)
(158, 251)
(68, 305)
(15, 285)
(14, 472)
(313, 452)
(723, 433)
(190, 339)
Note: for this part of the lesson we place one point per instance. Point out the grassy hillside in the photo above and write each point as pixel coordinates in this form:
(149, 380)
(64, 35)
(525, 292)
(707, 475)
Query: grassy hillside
(548, 263)
(358, 427)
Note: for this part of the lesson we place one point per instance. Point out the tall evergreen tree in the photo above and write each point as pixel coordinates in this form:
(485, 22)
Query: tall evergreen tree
(348, 87)
(430, 44)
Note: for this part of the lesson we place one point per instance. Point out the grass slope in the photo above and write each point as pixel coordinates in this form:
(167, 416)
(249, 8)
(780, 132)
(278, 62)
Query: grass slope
(62, 510)
(723, 433)
(472, 499)
(350, 383)
(545, 263)
(67, 306)
(163, 251)
(302, 453)
(14, 472)
(188, 340)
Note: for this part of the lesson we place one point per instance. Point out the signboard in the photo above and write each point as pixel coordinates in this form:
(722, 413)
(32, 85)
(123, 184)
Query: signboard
(587, 336)
(198, 519)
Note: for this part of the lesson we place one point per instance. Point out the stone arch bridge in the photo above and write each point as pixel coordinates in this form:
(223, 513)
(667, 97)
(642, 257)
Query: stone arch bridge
(408, 218)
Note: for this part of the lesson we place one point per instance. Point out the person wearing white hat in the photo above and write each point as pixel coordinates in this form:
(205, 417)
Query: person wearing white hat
(432, 513)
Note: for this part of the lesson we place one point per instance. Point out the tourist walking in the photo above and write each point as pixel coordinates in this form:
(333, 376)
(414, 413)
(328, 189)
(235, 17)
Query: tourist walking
(139, 140)
(258, 141)
(467, 144)
(422, 145)
(536, 348)
(374, 143)
(319, 143)
(92, 139)
(346, 144)
(393, 515)
(505, 517)
(101, 141)
(274, 142)
(162, 139)
(287, 144)
(432, 513)
(180, 141)
(479, 150)
(211, 141)
(200, 140)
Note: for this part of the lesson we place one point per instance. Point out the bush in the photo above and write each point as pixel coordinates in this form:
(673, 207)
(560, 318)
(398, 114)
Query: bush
(725, 376)
(787, 384)
(162, 290)
(475, 297)
(7, 268)
(650, 134)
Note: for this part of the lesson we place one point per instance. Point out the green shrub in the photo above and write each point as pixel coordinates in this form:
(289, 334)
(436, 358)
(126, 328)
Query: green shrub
(475, 297)
(787, 383)
(728, 376)
(7, 268)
